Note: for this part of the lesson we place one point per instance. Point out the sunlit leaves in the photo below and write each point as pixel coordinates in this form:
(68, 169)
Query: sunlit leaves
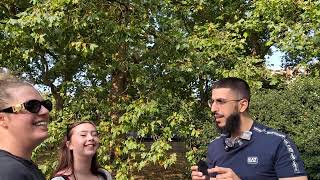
(168, 52)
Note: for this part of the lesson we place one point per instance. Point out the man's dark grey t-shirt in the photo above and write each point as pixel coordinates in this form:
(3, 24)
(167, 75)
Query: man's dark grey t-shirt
(16, 168)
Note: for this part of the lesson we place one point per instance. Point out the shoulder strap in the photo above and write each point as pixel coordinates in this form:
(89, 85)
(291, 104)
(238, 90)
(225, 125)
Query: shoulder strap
(63, 176)
(105, 174)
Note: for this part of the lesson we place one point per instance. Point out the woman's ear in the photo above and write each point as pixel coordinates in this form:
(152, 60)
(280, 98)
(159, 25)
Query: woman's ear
(3, 120)
(68, 145)
(244, 104)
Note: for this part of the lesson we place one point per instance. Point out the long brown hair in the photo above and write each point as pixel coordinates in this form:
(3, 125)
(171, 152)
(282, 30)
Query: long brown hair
(66, 159)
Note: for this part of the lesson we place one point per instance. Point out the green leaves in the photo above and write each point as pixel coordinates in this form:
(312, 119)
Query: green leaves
(295, 111)
(143, 70)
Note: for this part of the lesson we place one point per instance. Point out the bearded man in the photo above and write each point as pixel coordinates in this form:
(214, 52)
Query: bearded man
(246, 149)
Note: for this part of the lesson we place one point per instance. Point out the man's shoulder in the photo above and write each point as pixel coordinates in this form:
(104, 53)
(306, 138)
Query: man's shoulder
(267, 132)
(217, 140)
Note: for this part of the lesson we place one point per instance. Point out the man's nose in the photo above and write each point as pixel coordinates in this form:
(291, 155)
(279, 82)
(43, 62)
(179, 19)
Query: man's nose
(214, 107)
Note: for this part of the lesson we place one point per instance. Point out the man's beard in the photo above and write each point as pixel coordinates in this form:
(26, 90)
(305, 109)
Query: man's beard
(232, 124)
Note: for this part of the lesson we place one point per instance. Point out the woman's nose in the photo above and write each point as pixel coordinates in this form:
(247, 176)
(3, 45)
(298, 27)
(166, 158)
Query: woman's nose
(90, 137)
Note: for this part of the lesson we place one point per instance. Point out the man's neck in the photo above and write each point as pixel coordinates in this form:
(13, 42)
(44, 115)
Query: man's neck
(246, 124)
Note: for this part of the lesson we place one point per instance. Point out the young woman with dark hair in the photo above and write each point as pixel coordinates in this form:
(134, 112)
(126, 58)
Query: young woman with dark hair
(78, 154)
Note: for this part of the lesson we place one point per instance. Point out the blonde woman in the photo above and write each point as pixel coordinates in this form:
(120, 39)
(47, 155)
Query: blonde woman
(24, 118)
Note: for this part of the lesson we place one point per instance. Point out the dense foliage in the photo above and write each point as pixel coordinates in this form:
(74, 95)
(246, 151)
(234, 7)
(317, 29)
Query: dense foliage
(142, 69)
(294, 110)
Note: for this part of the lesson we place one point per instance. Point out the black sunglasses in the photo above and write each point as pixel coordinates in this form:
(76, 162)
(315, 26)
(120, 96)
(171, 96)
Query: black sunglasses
(32, 106)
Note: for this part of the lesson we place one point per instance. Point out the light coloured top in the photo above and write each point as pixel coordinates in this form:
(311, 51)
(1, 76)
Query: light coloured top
(109, 177)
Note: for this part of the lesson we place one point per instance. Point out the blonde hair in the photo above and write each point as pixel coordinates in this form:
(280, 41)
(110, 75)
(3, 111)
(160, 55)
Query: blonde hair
(8, 80)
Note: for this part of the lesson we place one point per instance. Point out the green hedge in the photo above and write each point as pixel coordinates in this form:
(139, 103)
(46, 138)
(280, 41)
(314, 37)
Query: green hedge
(294, 110)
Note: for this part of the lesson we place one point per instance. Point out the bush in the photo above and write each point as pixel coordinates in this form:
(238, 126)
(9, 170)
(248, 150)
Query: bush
(294, 110)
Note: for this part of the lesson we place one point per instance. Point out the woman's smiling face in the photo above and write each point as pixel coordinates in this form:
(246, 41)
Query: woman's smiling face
(30, 129)
(84, 140)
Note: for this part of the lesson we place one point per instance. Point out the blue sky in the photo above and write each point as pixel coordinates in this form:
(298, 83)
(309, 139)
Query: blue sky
(274, 61)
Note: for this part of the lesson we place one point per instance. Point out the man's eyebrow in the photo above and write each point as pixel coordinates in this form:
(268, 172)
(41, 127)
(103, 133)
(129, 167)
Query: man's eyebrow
(219, 99)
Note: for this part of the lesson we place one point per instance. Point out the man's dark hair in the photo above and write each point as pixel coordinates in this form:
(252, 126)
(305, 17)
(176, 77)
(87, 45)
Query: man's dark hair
(237, 85)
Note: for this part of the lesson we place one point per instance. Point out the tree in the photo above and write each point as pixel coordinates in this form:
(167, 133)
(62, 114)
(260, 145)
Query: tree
(88, 53)
(142, 68)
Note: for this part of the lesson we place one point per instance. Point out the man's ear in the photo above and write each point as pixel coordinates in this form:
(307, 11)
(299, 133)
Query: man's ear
(244, 104)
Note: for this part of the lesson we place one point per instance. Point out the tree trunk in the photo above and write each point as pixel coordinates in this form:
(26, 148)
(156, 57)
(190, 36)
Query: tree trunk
(118, 90)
